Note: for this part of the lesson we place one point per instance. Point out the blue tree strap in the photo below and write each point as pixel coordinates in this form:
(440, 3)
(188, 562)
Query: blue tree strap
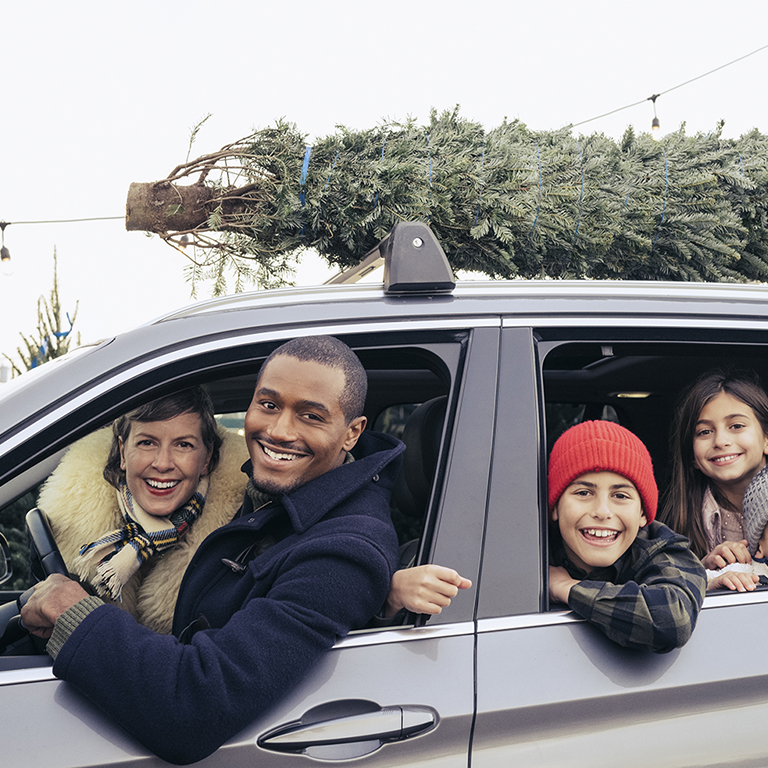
(482, 181)
(744, 175)
(304, 168)
(581, 196)
(331, 173)
(664, 205)
(43, 350)
(64, 334)
(429, 158)
(376, 199)
(538, 204)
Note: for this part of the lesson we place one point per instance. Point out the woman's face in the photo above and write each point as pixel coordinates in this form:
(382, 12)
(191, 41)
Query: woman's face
(729, 446)
(163, 462)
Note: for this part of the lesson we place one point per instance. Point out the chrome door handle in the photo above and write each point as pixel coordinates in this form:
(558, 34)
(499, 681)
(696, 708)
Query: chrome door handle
(353, 734)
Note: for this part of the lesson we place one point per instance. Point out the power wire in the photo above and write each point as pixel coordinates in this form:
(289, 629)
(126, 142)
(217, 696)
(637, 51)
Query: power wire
(652, 98)
(64, 221)
(673, 88)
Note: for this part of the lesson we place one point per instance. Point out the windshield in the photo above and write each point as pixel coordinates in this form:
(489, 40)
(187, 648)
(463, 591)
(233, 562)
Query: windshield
(11, 387)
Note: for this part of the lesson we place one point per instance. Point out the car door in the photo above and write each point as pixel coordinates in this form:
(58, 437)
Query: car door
(389, 696)
(552, 690)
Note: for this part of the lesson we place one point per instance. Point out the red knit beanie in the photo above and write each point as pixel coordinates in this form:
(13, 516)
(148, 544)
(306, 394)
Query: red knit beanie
(602, 446)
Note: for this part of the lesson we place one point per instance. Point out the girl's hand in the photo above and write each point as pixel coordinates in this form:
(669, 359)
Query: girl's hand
(423, 589)
(726, 553)
(734, 580)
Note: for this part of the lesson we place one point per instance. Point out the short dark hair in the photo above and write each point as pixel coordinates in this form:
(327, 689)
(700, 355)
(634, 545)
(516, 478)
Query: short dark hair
(193, 400)
(328, 350)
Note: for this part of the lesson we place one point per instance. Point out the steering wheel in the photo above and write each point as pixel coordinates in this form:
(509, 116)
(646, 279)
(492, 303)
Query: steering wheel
(43, 543)
(47, 554)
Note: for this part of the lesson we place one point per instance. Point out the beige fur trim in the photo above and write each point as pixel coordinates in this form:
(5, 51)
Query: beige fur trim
(82, 507)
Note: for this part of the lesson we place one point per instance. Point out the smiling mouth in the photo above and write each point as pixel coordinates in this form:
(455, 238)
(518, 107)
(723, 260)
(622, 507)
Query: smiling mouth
(280, 456)
(162, 485)
(725, 459)
(599, 535)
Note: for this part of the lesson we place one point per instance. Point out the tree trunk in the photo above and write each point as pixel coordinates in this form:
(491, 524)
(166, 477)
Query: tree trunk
(162, 207)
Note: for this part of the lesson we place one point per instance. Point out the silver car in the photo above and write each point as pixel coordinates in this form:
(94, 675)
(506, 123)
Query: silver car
(479, 379)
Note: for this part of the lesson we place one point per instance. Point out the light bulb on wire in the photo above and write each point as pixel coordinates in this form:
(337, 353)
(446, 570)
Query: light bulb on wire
(5, 254)
(655, 125)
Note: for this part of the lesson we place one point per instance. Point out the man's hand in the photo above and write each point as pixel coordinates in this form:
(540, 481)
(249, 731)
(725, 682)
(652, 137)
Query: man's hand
(560, 583)
(734, 580)
(49, 600)
(726, 553)
(423, 589)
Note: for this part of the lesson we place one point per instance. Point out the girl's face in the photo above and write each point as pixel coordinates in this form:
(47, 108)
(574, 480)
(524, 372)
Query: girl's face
(729, 445)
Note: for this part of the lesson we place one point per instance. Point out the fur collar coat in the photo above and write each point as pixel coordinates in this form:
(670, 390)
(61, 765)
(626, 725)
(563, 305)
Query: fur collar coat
(81, 507)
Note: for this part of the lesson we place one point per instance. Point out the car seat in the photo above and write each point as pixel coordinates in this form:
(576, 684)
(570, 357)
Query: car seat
(413, 487)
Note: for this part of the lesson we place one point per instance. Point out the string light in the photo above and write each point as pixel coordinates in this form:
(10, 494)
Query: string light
(5, 254)
(655, 126)
(673, 88)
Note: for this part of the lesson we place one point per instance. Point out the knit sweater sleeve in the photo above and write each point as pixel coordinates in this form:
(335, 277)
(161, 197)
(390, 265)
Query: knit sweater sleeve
(656, 600)
(68, 622)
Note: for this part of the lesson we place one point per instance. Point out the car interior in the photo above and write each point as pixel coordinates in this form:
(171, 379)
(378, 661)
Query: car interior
(408, 392)
(635, 383)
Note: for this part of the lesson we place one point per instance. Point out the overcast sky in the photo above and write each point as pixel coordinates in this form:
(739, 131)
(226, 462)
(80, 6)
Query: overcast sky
(97, 95)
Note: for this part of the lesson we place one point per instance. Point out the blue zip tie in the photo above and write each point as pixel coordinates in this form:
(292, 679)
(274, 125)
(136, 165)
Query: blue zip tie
(581, 197)
(482, 181)
(429, 156)
(664, 206)
(64, 334)
(303, 180)
(744, 175)
(376, 199)
(331, 173)
(42, 351)
(626, 199)
(538, 204)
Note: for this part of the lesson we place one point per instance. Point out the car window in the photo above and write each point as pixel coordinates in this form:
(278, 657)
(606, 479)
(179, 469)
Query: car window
(635, 383)
(401, 378)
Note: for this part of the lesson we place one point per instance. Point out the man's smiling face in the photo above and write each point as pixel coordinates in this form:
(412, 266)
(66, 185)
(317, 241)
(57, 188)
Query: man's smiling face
(295, 428)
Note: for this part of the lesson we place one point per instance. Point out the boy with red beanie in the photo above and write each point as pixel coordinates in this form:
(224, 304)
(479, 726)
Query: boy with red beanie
(611, 562)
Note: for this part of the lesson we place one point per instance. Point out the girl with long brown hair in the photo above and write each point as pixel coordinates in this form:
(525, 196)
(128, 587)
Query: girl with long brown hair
(718, 444)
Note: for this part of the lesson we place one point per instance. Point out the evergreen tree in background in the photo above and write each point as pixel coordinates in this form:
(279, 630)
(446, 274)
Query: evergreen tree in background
(509, 202)
(52, 339)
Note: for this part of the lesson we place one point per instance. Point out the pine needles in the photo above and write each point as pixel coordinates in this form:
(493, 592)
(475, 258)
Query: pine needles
(509, 202)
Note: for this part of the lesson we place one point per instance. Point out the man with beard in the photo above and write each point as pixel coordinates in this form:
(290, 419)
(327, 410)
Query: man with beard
(309, 556)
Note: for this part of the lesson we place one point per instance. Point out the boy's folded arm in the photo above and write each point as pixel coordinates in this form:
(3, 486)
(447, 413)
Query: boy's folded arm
(656, 612)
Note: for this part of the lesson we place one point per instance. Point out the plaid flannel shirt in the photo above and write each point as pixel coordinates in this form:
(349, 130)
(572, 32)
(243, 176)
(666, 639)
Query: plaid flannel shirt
(649, 598)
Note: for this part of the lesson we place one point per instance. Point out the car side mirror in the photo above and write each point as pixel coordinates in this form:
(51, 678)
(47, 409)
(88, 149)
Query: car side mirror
(6, 569)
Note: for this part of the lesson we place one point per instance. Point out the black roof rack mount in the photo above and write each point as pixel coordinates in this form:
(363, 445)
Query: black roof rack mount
(414, 262)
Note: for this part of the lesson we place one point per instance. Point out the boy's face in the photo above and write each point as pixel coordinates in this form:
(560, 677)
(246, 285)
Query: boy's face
(599, 515)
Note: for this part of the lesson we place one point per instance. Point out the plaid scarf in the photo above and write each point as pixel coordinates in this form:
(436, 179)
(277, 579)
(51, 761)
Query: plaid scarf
(121, 552)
